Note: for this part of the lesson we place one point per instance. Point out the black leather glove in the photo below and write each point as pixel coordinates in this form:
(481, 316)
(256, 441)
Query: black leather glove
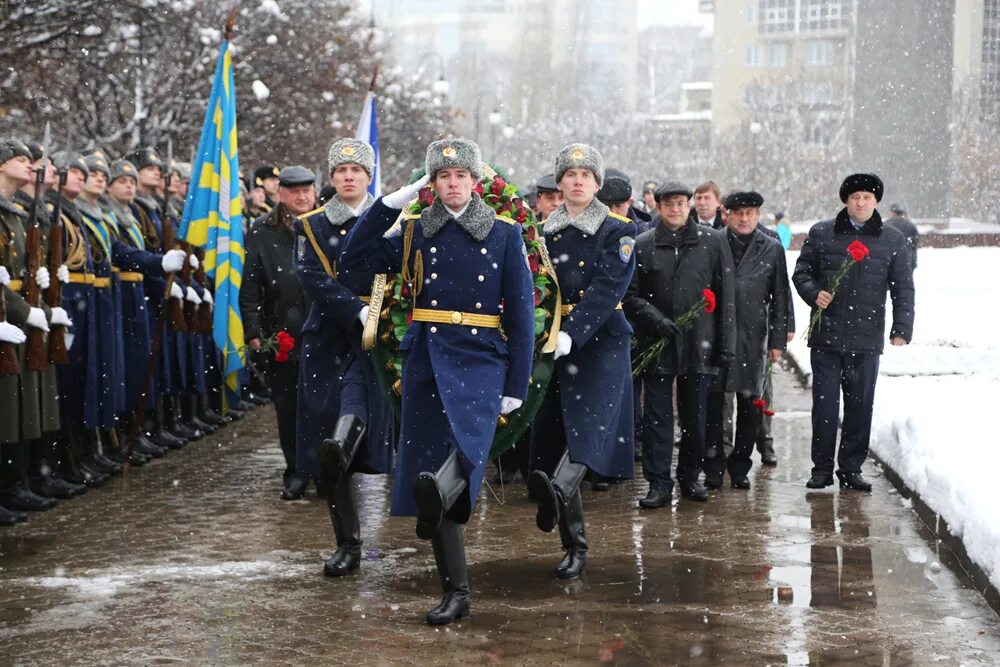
(666, 328)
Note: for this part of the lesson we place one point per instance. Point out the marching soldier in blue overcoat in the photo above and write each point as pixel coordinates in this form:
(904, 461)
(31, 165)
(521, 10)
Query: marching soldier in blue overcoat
(586, 419)
(345, 422)
(468, 273)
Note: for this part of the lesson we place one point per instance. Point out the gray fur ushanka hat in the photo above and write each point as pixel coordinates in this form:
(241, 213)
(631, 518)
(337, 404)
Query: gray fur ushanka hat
(351, 151)
(580, 156)
(454, 154)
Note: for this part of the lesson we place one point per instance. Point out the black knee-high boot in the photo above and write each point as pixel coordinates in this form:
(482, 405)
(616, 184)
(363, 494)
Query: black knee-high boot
(337, 452)
(343, 508)
(574, 538)
(435, 493)
(551, 493)
(449, 554)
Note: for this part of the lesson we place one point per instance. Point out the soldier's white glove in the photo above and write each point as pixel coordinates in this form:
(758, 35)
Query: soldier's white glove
(60, 316)
(176, 292)
(363, 315)
(402, 196)
(42, 278)
(192, 296)
(193, 261)
(563, 345)
(508, 404)
(62, 274)
(173, 260)
(207, 298)
(36, 319)
(11, 334)
(4, 276)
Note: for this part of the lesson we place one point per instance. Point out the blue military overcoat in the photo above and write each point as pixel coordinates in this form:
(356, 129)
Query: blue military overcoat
(335, 376)
(453, 375)
(588, 407)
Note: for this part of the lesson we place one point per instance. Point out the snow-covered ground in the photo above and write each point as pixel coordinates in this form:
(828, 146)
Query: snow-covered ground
(935, 397)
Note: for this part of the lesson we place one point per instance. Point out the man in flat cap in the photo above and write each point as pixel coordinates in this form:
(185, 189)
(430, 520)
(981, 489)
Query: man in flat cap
(272, 300)
(345, 422)
(267, 178)
(585, 420)
(676, 261)
(762, 295)
(459, 373)
(547, 196)
(848, 341)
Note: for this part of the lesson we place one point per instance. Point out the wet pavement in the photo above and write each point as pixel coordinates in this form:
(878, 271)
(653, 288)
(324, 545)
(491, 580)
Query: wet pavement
(195, 560)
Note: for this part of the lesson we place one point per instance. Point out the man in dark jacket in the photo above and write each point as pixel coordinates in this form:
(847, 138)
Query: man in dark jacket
(762, 295)
(848, 340)
(272, 300)
(909, 230)
(675, 262)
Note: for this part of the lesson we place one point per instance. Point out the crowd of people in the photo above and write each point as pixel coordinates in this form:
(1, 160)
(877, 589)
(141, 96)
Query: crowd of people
(678, 303)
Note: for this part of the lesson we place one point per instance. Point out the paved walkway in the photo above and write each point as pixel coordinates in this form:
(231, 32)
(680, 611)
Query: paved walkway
(194, 560)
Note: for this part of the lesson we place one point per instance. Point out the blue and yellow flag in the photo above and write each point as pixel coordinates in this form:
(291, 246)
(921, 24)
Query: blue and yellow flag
(213, 216)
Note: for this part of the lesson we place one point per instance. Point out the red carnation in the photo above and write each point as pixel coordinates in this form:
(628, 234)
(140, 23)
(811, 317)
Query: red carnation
(425, 197)
(857, 250)
(759, 403)
(286, 343)
(709, 297)
(281, 356)
(768, 412)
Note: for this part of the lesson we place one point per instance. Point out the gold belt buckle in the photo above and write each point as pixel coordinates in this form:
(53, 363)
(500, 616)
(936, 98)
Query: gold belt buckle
(456, 317)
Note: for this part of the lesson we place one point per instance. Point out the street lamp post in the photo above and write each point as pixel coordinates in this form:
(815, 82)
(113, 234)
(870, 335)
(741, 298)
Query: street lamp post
(755, 129)
(494, 117)
(440, 85)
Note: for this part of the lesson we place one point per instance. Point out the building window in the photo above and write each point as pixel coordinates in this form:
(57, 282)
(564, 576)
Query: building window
(776, 16)
(819, 15)
(752, 57)
(777, 54)
(819, 53)
(751, 15)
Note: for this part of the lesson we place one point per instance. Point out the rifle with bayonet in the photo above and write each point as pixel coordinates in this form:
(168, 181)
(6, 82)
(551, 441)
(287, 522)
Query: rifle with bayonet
(53, 295)
(177, 321)
(36, 354)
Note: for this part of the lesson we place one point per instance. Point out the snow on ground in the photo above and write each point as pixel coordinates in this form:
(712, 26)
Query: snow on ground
(935, 397)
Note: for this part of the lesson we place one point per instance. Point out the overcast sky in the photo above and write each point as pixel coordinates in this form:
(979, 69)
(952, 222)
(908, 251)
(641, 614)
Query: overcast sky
(672, 12)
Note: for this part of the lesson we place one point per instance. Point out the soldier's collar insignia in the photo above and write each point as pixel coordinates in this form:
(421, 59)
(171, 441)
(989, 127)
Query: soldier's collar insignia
(449, 151)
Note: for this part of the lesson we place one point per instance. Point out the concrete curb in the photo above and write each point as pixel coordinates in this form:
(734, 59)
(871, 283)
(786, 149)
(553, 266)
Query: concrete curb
(951, 550)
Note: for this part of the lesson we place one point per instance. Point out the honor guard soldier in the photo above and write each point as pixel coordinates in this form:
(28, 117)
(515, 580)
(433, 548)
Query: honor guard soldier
(676, 261)
(272, 300)
(585, 421)
(19, 390)
(463, 263)
(345, 421)
(848, 341)
(140, 267)
(762, 294)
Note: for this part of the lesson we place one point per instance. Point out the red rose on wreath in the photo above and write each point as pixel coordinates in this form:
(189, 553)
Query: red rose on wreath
(857, 250)
(534, 263)
(538, 296)
(530, 233)
(478, 189)
(709, 297)
(497, 186)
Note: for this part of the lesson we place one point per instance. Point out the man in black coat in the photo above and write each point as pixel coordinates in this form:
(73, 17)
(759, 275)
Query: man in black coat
(762, 296)
(272, 300)
(674, 262)
(848, 340)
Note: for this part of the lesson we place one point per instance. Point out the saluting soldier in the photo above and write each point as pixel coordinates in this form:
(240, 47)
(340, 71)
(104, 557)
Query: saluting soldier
(459, 373)
(345, 421)
(585, 421)
(762, 294)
